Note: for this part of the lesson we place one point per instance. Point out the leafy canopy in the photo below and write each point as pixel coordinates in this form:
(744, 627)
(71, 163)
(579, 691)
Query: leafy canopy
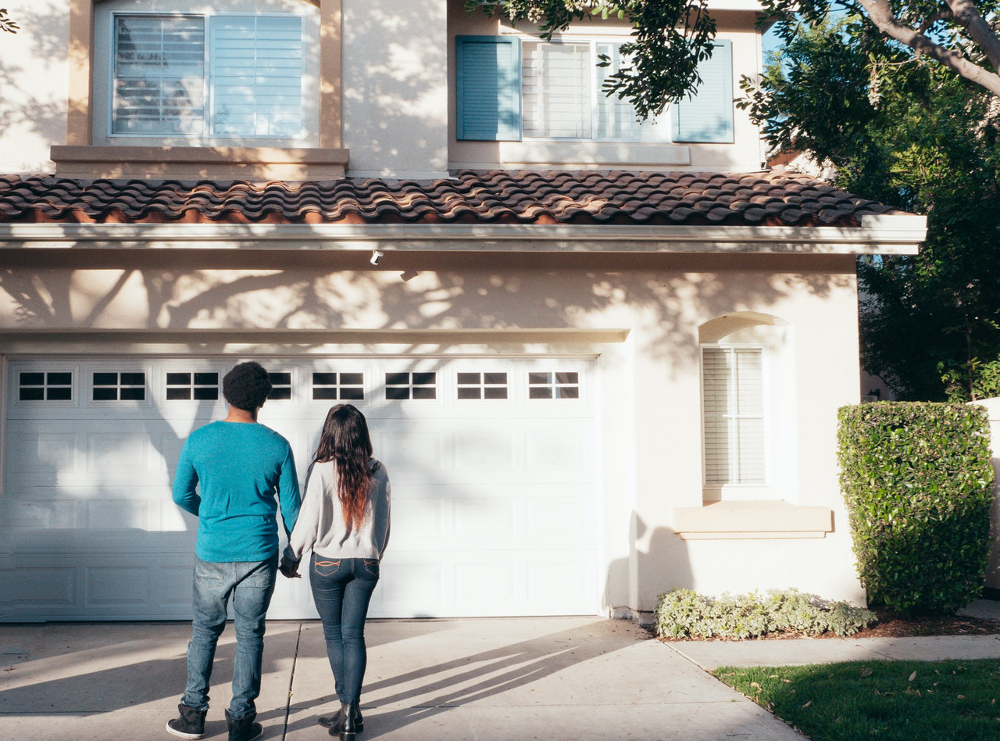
(907, 132)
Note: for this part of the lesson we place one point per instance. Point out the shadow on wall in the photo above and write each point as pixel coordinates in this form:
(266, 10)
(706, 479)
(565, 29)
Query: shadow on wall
(658, 560)
(43, 38)
(395, 97)
(668, 296)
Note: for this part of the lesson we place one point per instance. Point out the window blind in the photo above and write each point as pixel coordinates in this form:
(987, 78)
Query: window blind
(733, 408)
(159, 75)
(616, 118)
(256, 76)
(556, 90)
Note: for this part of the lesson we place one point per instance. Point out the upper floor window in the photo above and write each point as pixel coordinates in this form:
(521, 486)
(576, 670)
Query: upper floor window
(225, 75)
(509, 89)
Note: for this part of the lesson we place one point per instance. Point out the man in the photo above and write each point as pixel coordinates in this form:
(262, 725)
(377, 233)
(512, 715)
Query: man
(239, 466)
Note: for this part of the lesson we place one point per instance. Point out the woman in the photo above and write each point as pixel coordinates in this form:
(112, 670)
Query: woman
(344, 520)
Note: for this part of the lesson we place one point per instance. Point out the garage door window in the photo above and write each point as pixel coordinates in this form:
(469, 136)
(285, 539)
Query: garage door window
(197, 386)
(281, 386)
(482, 386)
(45, 386)
(334, 386)
(555, 385)
(115, 386)
(401, 386)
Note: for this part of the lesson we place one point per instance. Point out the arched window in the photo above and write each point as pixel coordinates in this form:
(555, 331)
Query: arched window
(746, 393)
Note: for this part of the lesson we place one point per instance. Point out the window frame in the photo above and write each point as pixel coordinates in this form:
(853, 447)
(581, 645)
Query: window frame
(102, 94)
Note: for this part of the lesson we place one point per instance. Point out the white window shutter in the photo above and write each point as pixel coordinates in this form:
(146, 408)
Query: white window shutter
(733, 408)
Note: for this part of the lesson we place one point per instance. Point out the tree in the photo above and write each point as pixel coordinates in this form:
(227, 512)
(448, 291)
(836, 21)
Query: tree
(671, 36)
(6, 23)
(905, 131)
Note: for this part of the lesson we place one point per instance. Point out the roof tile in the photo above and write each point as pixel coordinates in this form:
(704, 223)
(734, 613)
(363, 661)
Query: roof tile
(497, 196)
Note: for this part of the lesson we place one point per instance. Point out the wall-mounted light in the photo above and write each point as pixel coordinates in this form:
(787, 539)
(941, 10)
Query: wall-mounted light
(376, 257)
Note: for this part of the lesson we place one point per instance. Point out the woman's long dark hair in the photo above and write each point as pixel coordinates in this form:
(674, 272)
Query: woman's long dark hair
(345, 441)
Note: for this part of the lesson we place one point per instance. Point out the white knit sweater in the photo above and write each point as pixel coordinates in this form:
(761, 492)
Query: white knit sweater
(321, 526)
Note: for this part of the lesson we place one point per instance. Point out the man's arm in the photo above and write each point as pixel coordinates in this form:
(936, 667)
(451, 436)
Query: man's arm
(186, 483)
(288, 493)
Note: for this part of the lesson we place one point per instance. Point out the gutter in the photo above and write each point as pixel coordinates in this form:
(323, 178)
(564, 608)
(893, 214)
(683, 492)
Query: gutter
(878, 234)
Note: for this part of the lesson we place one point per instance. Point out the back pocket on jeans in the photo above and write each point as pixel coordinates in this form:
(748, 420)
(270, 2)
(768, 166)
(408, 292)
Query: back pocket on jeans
(326, 568)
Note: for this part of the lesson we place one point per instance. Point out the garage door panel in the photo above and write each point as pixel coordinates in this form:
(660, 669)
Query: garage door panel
(494, 499)
(30, 586)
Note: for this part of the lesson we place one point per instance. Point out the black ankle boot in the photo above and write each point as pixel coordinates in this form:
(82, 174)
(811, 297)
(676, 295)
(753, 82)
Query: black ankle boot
(329, 721)
(347, 727)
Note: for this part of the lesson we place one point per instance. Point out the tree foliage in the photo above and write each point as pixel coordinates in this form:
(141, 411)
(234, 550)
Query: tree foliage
(907, 132)
(7, 23)
(671, 36)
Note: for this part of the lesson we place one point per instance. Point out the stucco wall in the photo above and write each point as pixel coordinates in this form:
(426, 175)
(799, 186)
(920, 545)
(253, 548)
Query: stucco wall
(34, 85)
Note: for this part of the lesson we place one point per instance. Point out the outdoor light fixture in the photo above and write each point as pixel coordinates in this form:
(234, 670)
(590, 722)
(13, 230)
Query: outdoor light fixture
(376, 257)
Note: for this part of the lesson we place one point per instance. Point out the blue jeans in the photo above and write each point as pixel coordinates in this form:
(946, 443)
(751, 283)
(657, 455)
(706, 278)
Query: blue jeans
(342, 589)
(250, 584)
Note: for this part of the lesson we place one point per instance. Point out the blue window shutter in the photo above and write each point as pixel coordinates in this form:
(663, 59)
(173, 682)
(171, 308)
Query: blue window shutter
(488, 83)
(707, 115)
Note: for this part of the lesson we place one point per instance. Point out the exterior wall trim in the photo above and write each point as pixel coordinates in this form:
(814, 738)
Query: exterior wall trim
(752, 520)
(897, 234)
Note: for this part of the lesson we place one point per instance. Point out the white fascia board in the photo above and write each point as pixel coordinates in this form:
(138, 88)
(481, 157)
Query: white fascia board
(900, 234)
(752, 5)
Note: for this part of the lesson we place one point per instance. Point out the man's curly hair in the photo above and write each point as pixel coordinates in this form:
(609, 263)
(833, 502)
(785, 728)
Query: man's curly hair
(246, 386)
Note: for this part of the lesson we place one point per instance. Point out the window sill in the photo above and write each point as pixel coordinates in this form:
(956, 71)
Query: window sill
(761, 520)
(200, 163)
(591, 154)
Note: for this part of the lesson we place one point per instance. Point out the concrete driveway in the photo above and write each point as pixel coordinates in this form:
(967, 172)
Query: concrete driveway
(571, 679)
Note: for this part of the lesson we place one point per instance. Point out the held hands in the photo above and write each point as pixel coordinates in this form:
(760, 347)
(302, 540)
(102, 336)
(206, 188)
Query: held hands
(289, 568)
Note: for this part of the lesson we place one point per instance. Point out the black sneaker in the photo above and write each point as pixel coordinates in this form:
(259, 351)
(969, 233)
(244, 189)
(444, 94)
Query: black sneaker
(243, 729)
(190, 724)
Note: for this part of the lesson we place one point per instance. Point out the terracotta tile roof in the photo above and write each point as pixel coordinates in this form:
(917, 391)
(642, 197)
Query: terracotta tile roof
(506, 197)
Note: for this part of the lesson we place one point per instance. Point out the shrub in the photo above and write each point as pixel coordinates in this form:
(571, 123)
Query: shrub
(917, 480)
(682, 613)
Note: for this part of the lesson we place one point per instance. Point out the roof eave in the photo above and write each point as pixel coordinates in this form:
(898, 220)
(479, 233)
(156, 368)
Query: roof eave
(899, 234)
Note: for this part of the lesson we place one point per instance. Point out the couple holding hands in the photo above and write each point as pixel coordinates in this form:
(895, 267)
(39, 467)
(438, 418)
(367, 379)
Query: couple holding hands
(233, 474)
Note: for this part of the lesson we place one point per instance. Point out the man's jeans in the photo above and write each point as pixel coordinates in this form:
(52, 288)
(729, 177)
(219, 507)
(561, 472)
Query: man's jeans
(342, 589)
(250, 584)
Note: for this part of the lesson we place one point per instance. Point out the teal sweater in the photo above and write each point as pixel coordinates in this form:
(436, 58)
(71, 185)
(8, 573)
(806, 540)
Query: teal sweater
(239, 468)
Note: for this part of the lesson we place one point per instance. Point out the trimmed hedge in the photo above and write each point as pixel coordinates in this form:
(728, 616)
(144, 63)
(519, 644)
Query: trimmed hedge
(917, 479)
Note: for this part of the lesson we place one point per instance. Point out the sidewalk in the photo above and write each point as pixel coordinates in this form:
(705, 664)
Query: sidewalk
(557, 679)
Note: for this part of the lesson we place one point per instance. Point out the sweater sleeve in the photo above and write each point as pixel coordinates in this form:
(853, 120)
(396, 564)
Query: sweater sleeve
(303, 535)
(186, 482)
(288, 493)
(382, 516)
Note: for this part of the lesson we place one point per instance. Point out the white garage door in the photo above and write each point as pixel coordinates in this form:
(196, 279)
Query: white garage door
(493, 464)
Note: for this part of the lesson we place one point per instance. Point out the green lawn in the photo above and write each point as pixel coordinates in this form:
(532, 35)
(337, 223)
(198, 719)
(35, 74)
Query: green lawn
(885, 700)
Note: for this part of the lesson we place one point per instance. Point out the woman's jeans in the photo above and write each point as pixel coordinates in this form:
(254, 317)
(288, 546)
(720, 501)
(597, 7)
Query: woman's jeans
(250, 584)
(342, 589)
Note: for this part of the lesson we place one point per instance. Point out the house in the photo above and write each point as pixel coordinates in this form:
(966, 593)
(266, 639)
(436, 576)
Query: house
(600, 358)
